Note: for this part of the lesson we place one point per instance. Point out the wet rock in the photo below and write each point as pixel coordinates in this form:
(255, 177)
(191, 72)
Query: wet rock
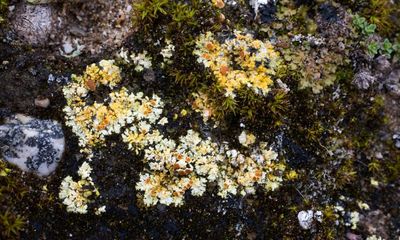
(33, 145)
(363, 79)
(70, 31)
(33, 23)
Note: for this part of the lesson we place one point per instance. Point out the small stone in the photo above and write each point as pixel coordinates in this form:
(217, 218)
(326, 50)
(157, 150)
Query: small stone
(392, 83)
(382, 64)
(39, 1)
(379, 155)
(42, 102)
(33, 23)
(266, 9)
(318, 216)
(305, 219)
(352, 236)
(329, 13)
(67, 47)
(363, 79)
(33, 145)
(396, 139)
(149, 75)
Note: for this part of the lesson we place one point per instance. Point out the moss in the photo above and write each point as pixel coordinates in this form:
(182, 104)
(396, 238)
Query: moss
(381, 13)
(3, 11)
(11, 224)
(12, 193)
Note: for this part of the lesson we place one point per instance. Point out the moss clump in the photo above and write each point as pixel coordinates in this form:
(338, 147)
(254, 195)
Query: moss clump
(382, 13)
(12, 192)
(3, 11)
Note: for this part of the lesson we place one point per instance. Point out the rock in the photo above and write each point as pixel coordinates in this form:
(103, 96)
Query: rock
(392, 83)
(363, 79)
(382, 64)
(328, 12)
(149, 75)
(305, 219)
(396, 140)
(42, 102)
(33, 23)
(39, 1)
(376, 223)
(33, 145)
(265, 9)
(352, 236)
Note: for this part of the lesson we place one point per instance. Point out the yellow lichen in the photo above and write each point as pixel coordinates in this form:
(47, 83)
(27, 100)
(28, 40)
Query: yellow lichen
(239, 62)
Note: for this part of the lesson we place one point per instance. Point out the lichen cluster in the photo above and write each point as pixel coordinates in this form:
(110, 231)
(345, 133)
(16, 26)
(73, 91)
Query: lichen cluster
(316, 66)
(141, 61)
(202, 104)
(173, 169)
(76, 195)
(92, 123)
(241, 61)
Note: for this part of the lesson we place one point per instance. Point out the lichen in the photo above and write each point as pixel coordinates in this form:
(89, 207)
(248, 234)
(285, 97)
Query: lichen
(76, 195)
(238, 62)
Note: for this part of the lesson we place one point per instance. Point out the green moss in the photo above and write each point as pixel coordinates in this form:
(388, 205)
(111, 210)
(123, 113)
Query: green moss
(11, 224)
(147, 12)
(3, 10)
(12, 192)
(380, 13)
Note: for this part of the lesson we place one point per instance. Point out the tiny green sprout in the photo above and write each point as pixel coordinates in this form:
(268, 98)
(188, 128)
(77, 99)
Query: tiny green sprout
(4, 171)
(229, 104)
(148, 10)
(369, 29)
(387, 47)
(182, 13)
(359, 21)
(362, 24)
(374, 166)
(373, 48)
